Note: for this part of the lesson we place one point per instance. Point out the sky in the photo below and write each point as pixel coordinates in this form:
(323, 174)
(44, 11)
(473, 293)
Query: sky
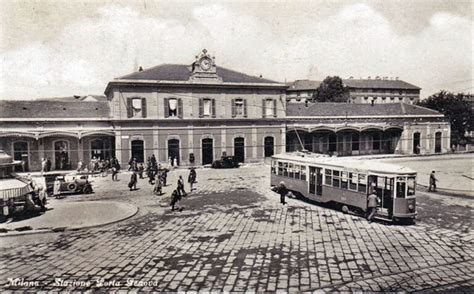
(64, 48)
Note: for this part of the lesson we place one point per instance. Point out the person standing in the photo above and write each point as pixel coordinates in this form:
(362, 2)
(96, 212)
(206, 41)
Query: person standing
(141, 169)
(164, 176)
(372, 202)
(79, 165)
(43, 165)
(158, 187)
(133, 181)
(114, 173)
(192, 177)
(282, 190)
(181, 186)
(433, 181)
(56, 188)
(48, 164)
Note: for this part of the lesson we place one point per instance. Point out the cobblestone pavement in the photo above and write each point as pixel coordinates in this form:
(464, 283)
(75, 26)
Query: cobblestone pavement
(233, 235)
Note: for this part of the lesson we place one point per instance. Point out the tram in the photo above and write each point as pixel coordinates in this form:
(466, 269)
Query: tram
(347, 182)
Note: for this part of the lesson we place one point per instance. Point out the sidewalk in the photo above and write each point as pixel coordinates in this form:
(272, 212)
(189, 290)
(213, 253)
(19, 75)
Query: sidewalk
(64, 214)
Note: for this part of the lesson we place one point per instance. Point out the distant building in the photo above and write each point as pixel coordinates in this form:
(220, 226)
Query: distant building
(382, 90)
(378, 90)
(301, 90)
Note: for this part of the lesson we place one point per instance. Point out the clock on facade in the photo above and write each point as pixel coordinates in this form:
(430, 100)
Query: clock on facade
(205, 63)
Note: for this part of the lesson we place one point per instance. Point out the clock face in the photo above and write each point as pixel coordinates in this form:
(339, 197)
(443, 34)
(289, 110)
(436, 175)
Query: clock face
(205, 64)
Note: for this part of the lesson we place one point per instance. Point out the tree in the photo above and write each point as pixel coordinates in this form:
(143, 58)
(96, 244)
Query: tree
(457, 108)
(332, 89)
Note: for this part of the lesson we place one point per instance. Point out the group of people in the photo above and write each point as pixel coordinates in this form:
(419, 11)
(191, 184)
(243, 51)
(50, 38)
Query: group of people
(99, 165)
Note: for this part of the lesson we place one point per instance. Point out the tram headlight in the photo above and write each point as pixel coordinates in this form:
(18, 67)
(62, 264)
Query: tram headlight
(411, 207)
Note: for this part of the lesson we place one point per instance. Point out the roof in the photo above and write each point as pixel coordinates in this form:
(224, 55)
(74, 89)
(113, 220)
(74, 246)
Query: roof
(300, 85)
(53, 109)
(379, 83)
(346, 163)
(181, 72)
(91, 98)
(356, 109)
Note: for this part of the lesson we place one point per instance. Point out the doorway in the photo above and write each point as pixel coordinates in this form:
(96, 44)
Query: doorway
(20, 153)
(269, 145)
(438, 142)
(383, 187)
(138, 150)
(61, 155)
(173, 150)
(239, 149)
(315, 181)
(207, 151)
(416, 143)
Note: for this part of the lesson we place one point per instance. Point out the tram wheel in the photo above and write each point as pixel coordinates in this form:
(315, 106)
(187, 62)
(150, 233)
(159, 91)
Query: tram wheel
(345, 209)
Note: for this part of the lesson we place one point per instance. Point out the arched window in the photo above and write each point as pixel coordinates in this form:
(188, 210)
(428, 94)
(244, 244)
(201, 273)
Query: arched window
(173, 151)
(239, 149)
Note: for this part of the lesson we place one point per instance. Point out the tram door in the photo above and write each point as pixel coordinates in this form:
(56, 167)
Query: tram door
(383, 187)
(315, 181)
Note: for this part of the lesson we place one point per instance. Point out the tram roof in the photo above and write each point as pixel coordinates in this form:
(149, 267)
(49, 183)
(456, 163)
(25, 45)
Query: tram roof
(348, 163)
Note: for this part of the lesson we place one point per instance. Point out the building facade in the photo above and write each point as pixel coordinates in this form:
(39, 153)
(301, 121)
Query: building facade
(195, 114)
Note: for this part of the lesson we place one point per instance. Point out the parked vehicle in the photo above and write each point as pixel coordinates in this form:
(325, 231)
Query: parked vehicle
(71, 184)
(226, 162)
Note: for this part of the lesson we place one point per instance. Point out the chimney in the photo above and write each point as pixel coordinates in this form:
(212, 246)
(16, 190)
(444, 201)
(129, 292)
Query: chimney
(372, 103)
(140, 68)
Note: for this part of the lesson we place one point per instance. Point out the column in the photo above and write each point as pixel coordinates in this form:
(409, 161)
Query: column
(156, 142)
(40, 148)
(118, 147)
(223, 141)
(191, 144)
(254, 142)
(283, 139)
(429, 138)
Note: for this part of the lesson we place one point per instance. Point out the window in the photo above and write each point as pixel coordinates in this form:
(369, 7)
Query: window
(362, 183)
(343, 180)
(280, 168)
(303, 173)
(239, 107)
(290, 170)
(285, 169)
(269, 108)
(335, 179)
(401, 187)
(353, 181)
(376, 141)
(273, 168)
(207, 107)
(297, 171)
(327, 177)
(173, 107)
(136, 107)
(411, 186)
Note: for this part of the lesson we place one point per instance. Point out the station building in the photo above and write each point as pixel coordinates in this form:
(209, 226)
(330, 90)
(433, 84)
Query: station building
(197, 113)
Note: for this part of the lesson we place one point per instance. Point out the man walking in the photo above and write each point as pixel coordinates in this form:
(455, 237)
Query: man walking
(192, 177)
(372, 201)
(181, 186)
(133, 181)
(433, 181)
(175, 198)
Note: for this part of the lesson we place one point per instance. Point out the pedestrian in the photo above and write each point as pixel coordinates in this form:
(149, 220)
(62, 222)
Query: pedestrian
(192, 178)
(43, 165)
(433, 181)
(141, 168)
(158, 187)
(57, 188)
(175, 198)
(175, 162)
(181, 186)
(164, 176)
(282, 190)
(133, 182)
(372, 201)
(79, 165)
(114, 174)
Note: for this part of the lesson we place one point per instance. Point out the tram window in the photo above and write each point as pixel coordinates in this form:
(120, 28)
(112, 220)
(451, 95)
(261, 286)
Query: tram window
(273, 169)
(335, 179)
(362, 183)
(303, 173)
(344, 183)
(297, 171)
(411, 186)
(328, 177)
(285, 169)
(280, 168)
(401, 189)
(352, 181)
(290, 170)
